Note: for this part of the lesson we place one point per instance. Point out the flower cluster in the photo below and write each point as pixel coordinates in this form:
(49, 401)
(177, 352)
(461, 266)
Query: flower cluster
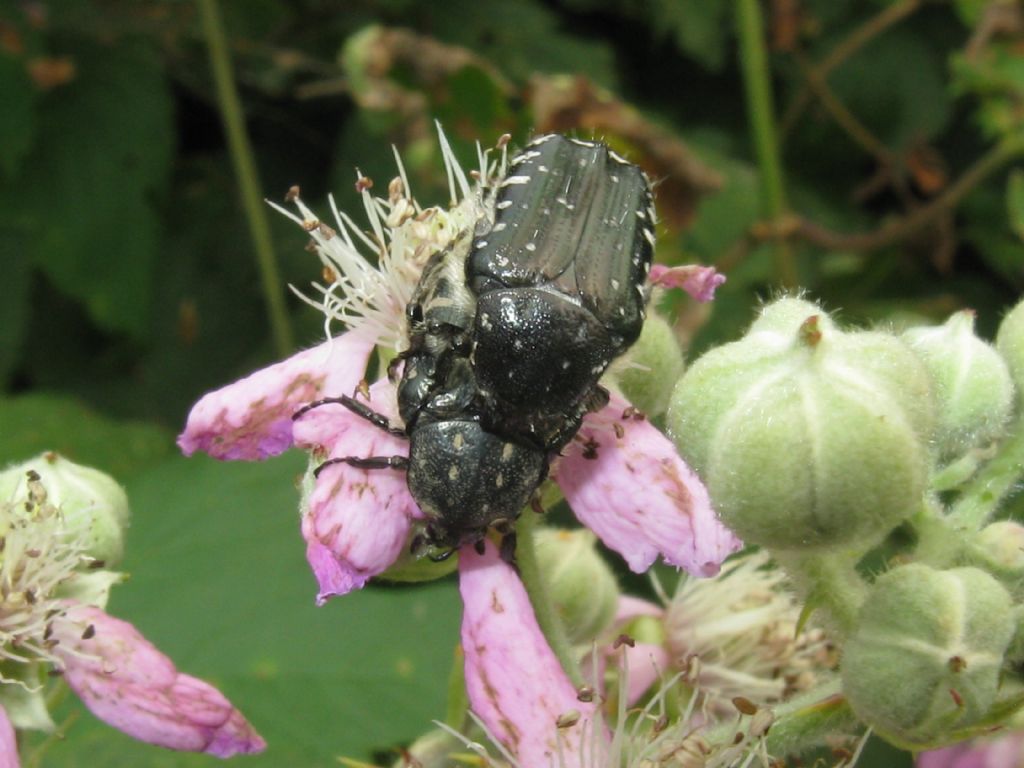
(621, 477)
(61, 529)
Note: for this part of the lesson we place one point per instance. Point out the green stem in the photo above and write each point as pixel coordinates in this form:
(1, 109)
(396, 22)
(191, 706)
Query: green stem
(245, 171)
(983, 494)
(543, 607)
(757, 84)
(831, 584)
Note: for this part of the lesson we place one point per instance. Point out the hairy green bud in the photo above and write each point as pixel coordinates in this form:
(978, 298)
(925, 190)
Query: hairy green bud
(999, 549)
(580, 583)
(647, 373)
(1010, 343)
(926, 654)
(970, 381)
(93, 505)
(807, 437)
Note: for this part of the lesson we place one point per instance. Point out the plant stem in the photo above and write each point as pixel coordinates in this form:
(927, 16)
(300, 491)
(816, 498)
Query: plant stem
(245, 172)
(830, 583)
(757, 84)
(989, 486)
(543, 607)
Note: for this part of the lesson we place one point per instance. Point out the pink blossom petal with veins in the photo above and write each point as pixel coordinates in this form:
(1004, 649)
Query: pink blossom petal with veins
(514, 681)
(700, 282)
(356, 521)
(8, 743)
(639, 497)
(126, 682)
(252, 418)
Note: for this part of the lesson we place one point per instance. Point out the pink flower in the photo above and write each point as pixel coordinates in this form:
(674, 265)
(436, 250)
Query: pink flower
(126, 682)
(1005, 751)
(621, 476)
(51, 617)
(633, 490)
(515, 684)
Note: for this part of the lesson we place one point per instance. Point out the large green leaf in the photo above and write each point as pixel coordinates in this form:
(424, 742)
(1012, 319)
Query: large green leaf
(38, 422)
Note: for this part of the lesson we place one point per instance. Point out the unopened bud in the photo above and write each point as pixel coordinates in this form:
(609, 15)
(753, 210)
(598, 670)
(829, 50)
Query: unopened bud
(806, 436)
(970, 381)
(925, 658)
(648, 372)
(580, 583)
(1010, 343)
(93, 505)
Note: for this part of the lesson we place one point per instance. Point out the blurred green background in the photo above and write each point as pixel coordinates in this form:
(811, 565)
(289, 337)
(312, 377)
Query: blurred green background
(863, 150)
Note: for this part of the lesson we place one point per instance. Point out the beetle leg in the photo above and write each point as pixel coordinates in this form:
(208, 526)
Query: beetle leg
(367, 462)
(596, 399)
(359, 409)
(507, 548)
(440, 557)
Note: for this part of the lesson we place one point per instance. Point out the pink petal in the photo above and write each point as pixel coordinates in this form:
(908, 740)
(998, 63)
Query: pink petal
(630, 608)
(8, 743)
(639, 497)
(356, 521)
(126, 682)
(252, 418)
(1001, 752)
(700, 282)
(514, 681)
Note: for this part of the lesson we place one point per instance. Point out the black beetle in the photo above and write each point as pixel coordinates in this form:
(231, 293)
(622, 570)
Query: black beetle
(510, 329)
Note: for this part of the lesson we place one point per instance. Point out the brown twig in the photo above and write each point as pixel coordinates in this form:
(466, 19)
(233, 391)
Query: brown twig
(853, 42)
(796, 227)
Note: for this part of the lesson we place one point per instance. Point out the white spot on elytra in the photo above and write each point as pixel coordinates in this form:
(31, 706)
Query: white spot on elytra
(615, 284)
(453, 472)
(503, 205)
(506, 451)
(499, 226)
(531, 247)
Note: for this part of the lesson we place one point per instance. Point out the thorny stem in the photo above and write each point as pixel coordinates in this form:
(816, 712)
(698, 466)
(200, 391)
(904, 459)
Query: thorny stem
(866, 32)
(757, 84)
(543, 607)
(245, 171)
(983, 494)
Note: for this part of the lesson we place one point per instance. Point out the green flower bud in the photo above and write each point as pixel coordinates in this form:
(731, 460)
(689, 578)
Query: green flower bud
(1010, 343)
(999, 549)
(94, 506)
(806, 436)
(580, 583)
(970, 381)
(926, 654)
(649, 371)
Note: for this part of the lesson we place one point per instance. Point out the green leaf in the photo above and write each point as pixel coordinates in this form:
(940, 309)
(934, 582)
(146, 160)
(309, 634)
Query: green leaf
(14, 299)
(896, 86)
(38, 422)
(17, 118)
(102, 151)
(1015, 201)
(220, 584)
(698, 27)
